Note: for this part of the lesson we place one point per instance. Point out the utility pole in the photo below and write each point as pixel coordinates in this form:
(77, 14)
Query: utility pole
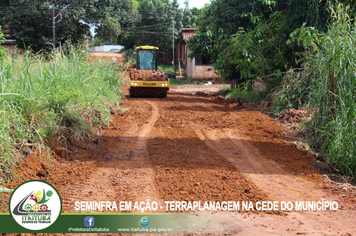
(54, 22)
(173, 43)
(53, 28)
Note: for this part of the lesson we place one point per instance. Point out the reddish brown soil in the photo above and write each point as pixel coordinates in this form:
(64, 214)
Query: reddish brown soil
(187, 147)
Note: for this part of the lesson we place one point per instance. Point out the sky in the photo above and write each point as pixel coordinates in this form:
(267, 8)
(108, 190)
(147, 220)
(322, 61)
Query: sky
(194, 3)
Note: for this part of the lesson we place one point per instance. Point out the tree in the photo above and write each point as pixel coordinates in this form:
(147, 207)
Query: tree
(155, 25)
(246, 39)
(217, 23)
(30, 21)
(110, 30)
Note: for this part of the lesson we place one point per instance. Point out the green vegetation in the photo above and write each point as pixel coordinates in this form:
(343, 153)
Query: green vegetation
(125, 22)
(246, 93)
(326, 84)
(39, 97)
(249, 96)
(247, 39)
(333, 94)
(155, 24)
(168, 68)
(2, 49)
(175, 82)
(308, 47)
(30, 22)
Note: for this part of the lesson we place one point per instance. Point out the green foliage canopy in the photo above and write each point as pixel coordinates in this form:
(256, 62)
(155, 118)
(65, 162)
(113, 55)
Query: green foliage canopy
(246, 39)
(30, 22)
(155, 25)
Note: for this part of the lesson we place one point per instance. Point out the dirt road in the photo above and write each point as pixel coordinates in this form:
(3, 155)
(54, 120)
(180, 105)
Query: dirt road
(199, 148)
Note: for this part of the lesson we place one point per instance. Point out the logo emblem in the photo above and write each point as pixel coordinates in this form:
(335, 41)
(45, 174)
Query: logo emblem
(144, 221)
(35, 205)
(89, 221)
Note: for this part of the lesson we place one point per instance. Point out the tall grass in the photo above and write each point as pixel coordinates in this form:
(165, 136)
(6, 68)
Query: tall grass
(327, 85)
(333, 128)
(249, 96)
(245, 92)
(175, 82)
(296, 89)
(39, 96)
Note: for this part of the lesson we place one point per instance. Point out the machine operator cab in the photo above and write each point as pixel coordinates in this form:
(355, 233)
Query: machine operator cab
(147, 58)
(145, 80)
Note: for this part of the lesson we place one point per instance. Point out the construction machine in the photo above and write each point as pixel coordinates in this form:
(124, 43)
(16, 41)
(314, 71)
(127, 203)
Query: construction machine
(145, 80)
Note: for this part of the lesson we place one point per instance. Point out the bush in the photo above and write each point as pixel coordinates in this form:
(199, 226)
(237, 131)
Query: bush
(38, 97)
(168, 68)
(249, 96)
(175, 82)
(327, 85)
(333, 95)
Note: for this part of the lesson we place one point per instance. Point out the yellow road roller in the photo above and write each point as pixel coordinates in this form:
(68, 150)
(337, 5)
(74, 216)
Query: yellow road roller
(145, 80)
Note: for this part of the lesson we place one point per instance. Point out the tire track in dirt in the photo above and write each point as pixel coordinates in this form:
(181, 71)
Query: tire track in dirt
(267, 174)
(141, 155)
(142, 136)
(123, 160)
(196, 148)
(272, 178)
(185, 168)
